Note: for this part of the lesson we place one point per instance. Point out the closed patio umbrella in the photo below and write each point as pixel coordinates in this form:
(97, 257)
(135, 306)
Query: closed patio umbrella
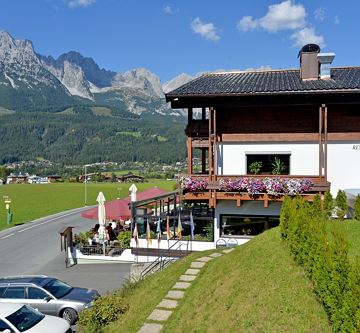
(102, 218)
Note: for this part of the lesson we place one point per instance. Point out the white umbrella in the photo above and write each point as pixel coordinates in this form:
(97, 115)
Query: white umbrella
(102, 218)
(133, 190)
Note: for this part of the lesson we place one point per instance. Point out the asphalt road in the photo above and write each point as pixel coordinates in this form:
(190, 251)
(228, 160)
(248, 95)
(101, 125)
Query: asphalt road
(34, 248)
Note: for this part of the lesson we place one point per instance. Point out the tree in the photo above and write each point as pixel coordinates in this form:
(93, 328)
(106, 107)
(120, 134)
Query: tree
(357, 207)
(341, 204)
(328, 204)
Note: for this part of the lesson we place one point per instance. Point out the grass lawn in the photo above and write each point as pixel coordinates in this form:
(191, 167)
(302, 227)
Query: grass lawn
(256, 288)
(352, 231)
(31, 201)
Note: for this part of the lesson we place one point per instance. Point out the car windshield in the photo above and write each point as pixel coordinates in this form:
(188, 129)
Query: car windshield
(57, 288)
(25, 318)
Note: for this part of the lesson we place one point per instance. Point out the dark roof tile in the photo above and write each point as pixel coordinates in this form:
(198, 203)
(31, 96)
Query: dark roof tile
(275, 81)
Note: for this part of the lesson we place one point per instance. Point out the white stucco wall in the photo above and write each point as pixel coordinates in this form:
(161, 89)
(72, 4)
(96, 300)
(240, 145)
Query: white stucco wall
(344, 165)
(231, 157)
(343, 160)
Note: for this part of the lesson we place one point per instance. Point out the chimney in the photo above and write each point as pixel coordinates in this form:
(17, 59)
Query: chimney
(325, 60)
(309, 64)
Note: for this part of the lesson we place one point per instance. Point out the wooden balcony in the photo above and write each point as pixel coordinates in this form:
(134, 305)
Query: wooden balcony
(213, 192)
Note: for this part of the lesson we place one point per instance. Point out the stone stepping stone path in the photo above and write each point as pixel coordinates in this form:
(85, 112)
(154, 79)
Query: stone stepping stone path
(176, 293)
(151, 328)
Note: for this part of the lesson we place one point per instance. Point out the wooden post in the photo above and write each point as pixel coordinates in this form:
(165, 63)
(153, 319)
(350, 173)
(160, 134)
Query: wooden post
(214, 146)
(203, 114)
(190, 115)
(325, 142)
(210, 146)
(320, 143)
(203, 160)
(189, 155)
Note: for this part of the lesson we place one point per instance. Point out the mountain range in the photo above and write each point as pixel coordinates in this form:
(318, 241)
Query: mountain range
(71, 111)
(33, 82)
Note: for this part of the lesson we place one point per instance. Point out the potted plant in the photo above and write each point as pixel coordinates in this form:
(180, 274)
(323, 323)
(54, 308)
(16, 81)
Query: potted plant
(278, 166)
(255, 167)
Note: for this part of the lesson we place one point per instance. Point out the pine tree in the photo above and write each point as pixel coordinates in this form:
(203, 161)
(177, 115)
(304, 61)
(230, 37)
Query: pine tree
(357, 207)
(328, 204)
(341, 204)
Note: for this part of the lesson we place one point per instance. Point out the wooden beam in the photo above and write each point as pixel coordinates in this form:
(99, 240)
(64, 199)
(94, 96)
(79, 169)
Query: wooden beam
(214, 144)
(320, 145)
(189, 155)
(190, 115)
(325, 142)
(238, 202)
(253, 137)
(210, 146)
(343, 136)
(203, 160)
(196, 143)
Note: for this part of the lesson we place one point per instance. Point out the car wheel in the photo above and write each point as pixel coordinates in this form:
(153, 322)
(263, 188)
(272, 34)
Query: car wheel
(69, 315)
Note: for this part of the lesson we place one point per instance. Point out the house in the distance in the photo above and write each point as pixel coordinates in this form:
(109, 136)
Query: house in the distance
(264, 134)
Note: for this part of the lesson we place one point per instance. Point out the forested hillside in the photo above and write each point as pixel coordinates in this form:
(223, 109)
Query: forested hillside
(82, 134)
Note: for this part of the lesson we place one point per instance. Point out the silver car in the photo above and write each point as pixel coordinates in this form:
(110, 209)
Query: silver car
(46, 294)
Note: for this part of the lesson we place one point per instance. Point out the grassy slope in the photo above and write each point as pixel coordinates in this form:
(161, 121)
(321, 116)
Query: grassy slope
(352, 231)
(256, 288)
(31, 201)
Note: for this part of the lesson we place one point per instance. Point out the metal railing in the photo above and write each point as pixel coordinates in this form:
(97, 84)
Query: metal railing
(173, 253)
(93, 250)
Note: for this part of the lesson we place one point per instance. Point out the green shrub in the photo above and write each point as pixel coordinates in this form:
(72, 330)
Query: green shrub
(124, 239)
(105, 310)
(324, 256)
(328, 204)
(341, 204)
(82, 238)
(357, 207)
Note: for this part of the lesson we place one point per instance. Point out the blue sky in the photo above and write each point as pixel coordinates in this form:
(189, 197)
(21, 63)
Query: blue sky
(186, 36)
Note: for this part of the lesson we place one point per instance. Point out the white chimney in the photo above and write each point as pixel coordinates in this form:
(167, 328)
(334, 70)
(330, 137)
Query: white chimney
(325, 60)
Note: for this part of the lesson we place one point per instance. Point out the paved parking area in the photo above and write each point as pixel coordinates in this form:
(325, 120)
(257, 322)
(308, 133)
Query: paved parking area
(102, 277)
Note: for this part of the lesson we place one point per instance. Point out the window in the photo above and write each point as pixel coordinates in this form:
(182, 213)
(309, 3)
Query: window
(240, 225)
(268, 164)
(36, 293)
(14, 292)
(4, 326)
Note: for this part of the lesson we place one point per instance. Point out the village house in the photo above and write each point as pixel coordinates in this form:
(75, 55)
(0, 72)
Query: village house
(264, 134)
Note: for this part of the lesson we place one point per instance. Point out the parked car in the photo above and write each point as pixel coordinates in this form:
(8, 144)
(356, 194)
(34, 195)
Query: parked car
(16, 318)
(49, 295)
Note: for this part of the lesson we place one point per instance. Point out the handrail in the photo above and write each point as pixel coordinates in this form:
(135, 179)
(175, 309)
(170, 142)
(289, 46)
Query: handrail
(162, 261)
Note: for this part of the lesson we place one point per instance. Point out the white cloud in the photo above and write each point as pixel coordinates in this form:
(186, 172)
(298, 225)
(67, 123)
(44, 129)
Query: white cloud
(281, 16)
(168, 10)
(205, 30)
(80, 3)
(320, 13)
(247, 23)
(306, 36)
(337, 20)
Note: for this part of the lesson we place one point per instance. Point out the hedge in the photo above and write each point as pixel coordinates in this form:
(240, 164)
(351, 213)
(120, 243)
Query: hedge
(324, 256)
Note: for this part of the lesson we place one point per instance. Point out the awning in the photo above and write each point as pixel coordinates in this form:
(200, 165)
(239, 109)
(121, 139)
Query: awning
(119, 209)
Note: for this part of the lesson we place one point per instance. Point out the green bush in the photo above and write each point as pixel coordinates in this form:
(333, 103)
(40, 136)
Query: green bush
(105, 310)
(357, 207)
(124, 239)
(328, 204)
(341, 204)
(324, 256)
(82, 238)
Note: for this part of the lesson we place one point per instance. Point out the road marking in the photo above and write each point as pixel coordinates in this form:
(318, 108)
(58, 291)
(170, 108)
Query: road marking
(47, 221)
(7, 236)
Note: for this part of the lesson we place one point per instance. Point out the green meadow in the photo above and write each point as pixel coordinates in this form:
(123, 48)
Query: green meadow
(32, 201)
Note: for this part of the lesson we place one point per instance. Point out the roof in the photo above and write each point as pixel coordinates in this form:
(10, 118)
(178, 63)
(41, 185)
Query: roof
(119, 209)
(267, 82)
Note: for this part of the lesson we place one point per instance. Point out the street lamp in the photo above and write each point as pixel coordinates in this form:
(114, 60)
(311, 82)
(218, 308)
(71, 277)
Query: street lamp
(85, 182)
(9, 215)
